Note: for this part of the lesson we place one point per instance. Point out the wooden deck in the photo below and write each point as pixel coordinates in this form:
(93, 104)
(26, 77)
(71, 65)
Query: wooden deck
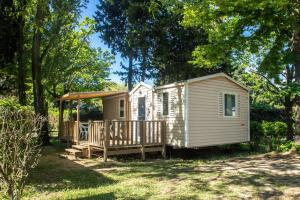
(116, 137)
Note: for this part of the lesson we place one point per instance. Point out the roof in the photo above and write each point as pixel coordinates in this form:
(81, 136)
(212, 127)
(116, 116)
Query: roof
(138, 85)
(201, 79)
(89, 95)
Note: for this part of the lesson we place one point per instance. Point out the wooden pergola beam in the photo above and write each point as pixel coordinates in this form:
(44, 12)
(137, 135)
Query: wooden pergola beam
(90, 95)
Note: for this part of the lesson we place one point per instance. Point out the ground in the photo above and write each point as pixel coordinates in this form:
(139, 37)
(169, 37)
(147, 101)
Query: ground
(235, 176)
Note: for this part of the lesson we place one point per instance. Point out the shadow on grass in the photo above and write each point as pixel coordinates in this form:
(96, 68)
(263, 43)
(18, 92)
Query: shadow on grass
(106, 196)
(55, 174)
(201, 174)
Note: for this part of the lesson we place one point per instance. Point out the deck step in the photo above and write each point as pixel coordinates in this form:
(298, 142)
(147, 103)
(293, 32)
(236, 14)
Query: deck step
(79, 147)
(74, 152)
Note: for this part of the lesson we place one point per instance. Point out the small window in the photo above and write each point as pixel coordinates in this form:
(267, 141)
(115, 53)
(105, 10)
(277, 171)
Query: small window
(165, 103)
(122, 108)
(229, 105)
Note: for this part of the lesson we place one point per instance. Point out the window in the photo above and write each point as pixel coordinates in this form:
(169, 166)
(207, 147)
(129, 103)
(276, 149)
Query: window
(165, 103)
(229, 105)
(122, 108)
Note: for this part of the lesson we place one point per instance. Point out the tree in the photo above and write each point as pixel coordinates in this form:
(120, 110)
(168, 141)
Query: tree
(20, 145)
(73, 65)
(10, 43)
(50, 18)
(267, 29)
(116, 31)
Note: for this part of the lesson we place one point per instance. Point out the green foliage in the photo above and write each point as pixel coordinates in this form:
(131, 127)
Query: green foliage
(273, 129)
(260, 37)
(297, 147)
(285, 147)
(255, 134)
(12, 104)
(266, 112)
(269, 134)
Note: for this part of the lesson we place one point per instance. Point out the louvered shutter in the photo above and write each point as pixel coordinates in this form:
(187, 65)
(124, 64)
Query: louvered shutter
(238, 105)
(172, 104)
(159, 104)
(221, 104)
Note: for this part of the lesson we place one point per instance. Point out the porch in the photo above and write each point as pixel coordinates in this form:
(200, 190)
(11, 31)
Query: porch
(115, 137)
(110, 136)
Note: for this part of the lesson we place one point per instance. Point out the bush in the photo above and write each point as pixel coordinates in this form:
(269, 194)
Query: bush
(19, 145)
(269, 134)
(297, 147)
(285, 147)
(273, 132)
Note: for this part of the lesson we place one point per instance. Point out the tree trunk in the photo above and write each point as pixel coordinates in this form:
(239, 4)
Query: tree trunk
(21, 66)
(37, 75)
(130, 71)
(289, 119)
(144, 64)
(296, 54)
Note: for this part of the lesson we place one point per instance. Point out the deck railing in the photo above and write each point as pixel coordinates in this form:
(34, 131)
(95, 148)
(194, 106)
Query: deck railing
(117, 133)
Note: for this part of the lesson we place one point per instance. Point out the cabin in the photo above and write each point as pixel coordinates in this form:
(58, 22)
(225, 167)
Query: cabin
(200, 112)
(205, 111)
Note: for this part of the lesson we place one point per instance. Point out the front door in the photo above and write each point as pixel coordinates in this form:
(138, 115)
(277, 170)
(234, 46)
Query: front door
(141, 108)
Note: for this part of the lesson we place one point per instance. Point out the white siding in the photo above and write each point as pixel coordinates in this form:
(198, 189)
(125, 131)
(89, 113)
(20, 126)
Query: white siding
(142, 91)
(207, 124)
(175, 120)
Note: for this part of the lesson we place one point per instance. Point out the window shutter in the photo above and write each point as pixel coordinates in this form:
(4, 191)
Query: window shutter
(172, 104)
(159, 104)
(221, 102)
(238, 105)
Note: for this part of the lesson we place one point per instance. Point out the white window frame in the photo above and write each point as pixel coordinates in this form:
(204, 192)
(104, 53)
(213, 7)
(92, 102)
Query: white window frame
(236, 105)
(162, 104)
(119, 110)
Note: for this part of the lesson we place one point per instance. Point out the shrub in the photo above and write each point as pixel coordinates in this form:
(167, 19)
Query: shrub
(273, 132)
(285, 147)
(19, 145)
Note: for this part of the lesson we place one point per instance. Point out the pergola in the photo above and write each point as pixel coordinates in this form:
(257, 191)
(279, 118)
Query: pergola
(82, 95)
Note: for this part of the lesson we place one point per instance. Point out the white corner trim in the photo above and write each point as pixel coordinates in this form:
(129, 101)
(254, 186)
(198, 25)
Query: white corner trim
(249, 116)
(186, 114)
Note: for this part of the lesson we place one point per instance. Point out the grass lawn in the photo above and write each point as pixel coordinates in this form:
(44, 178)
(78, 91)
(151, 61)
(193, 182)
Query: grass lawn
(226, 176)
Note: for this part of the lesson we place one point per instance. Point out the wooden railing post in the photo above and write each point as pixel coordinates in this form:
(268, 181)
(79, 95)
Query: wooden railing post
(89, 133)
(163, 138)
(106, 139)
(143, 137)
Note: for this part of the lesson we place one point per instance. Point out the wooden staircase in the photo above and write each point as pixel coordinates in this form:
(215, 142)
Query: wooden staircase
(77, 150)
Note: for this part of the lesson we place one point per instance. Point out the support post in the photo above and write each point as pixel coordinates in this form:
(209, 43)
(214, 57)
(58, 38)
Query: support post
(106, 140)
(89, 151)
(143, 136)
(163, 138)
(78, 121)
(61, 119)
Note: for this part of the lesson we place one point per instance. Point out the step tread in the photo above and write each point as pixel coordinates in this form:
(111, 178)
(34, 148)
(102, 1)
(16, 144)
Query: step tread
(79, 147)
(73, 150)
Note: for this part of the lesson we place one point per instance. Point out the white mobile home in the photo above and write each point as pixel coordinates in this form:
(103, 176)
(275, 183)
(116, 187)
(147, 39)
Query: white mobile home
(205, 111)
